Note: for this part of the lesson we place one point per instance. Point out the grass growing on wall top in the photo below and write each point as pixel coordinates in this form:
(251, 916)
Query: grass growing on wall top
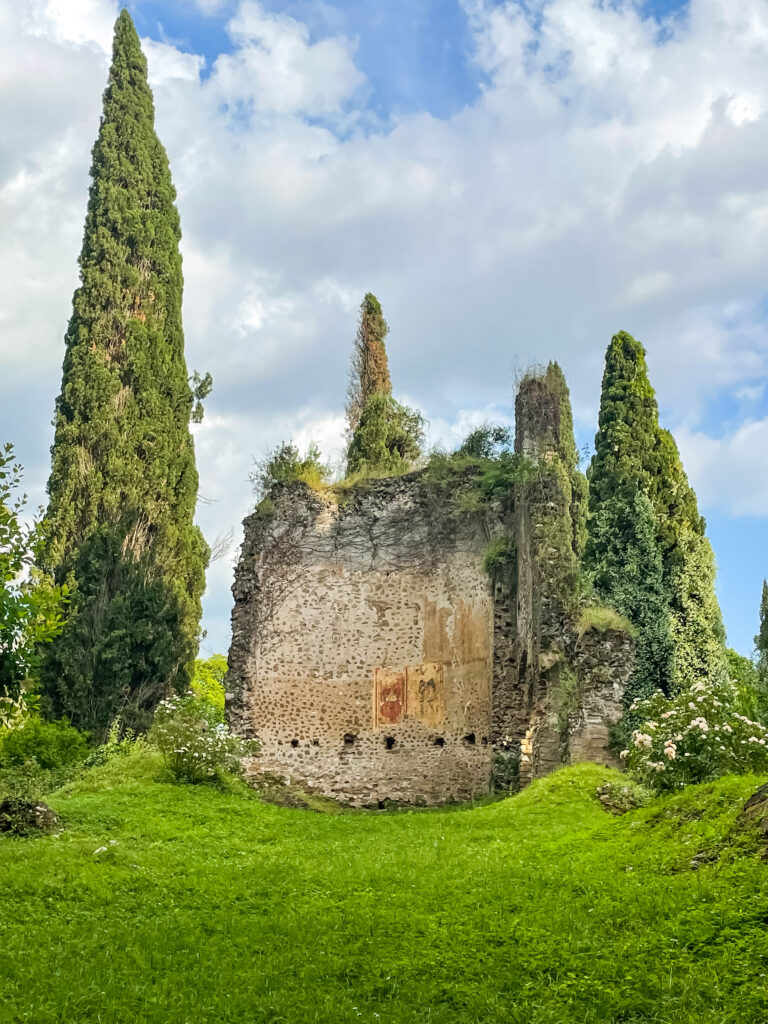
(601, 619)
(212, 906)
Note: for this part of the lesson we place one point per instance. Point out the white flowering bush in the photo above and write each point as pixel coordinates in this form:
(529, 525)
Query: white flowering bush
(693, 736)
(195, 744)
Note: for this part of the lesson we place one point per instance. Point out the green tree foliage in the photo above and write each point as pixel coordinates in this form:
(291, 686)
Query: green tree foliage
(387, 440)
(369, 373)
(628, 573)
(208, 681)
(565, 445)
(695, 620)
(123, 483)
(749, 684)
(384, 436)
(634, 456)
(544, 434)
(486, 442)
(30, 603)
(761, 640)
(625, 458)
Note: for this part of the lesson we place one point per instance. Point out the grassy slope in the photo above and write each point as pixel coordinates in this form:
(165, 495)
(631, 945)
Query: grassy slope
(216, 908)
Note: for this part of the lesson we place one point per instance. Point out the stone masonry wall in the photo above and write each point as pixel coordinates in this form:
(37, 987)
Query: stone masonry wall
(363, 643)
(557, 690)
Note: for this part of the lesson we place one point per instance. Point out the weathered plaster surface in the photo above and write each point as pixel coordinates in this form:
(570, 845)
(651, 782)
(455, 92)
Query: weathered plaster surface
(363, 645)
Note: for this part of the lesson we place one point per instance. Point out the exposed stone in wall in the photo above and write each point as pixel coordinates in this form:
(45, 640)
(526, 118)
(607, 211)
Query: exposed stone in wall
(362, 645)
(603, 664)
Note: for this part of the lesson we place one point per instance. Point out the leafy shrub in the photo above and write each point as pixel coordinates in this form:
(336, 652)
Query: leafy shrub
(195, 744)
(499, 556)
(120, 742)
(486, 442)
(49, 745)
(285, 464)
(208, 682)
(692, 737)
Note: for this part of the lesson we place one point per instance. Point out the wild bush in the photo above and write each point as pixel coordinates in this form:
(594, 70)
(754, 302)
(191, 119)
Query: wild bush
(284, 464)
(694, 736)
(49, 745)
(196, 746)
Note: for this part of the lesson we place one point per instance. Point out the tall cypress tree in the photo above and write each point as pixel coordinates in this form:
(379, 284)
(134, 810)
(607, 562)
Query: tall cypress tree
(123, 483)
(680, 633)
(761, 640)
(369, 373)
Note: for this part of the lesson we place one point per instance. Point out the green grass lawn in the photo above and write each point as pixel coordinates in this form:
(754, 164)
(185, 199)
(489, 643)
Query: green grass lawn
(215, 907)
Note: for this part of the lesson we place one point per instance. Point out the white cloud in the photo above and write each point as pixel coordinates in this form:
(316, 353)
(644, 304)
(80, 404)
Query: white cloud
(276, 68)
(166, 63)
(728, 473)
(78, 22)
(607, 177)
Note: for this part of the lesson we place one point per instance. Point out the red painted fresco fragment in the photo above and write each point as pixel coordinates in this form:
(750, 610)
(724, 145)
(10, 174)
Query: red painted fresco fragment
(390, 697)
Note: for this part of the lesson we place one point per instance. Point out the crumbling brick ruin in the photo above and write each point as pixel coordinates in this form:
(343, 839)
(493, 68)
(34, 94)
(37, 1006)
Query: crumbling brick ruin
(375, 659)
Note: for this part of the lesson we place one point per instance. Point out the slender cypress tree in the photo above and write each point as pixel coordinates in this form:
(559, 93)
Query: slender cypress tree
(369, 373)
(123, 483)
(384, 436)
(633, 456)
(761, 640)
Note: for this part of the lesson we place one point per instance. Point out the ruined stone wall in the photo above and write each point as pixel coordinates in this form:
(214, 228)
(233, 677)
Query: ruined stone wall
(557, 691)
(375, 659)
(363, 643)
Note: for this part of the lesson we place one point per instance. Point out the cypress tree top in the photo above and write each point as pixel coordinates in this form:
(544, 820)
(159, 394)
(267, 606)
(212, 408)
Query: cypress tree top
(626, 439)
(369, 373)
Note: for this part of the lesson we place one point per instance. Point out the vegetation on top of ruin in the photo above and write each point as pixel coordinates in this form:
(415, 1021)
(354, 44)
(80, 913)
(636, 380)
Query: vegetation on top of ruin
(387, 440)
(601, 619)
(285, 464)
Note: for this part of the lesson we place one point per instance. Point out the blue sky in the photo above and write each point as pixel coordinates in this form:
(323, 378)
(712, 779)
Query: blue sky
(415, 54)
(515, 181)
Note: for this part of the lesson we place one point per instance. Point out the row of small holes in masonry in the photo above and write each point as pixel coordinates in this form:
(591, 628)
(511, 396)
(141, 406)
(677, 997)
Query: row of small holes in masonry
(390, 742)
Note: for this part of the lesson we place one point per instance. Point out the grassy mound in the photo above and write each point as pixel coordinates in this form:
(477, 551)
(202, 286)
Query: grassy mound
(176, 905)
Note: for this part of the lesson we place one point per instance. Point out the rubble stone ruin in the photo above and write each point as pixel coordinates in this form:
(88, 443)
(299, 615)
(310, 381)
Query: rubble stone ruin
(379, 654)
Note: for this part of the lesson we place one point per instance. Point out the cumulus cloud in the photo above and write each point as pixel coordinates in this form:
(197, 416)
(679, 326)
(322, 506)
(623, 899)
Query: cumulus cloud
(720, 467)
(609, 175)
(276, 68)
